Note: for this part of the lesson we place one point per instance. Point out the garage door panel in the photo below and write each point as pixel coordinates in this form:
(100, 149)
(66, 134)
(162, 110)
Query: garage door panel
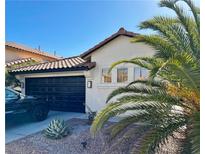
(65, 84)
(65, 97)
(69, 95)
(63, 93)
(64, 103)
(57, 80)
(59, 93)
(57, 85)
(68, 89)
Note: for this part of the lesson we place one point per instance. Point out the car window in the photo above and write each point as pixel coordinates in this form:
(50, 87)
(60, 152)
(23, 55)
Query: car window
(10, 94)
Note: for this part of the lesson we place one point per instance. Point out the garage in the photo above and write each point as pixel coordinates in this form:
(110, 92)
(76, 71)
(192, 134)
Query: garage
(62, 93)
(61, 82)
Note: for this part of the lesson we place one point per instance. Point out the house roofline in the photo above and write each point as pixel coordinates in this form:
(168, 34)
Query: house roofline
(29, 49)
(120, 32)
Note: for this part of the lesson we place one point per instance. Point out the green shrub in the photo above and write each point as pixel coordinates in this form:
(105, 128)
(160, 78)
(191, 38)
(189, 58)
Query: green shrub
(57, 129)
(10, 80)
(91, 115)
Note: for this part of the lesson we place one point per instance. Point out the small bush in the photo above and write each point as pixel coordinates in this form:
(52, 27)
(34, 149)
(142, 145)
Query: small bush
(91, 115)
(57, 129)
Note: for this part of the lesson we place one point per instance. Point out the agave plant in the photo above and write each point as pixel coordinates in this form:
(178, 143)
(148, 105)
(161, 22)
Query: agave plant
(57, 129)
(169, 100)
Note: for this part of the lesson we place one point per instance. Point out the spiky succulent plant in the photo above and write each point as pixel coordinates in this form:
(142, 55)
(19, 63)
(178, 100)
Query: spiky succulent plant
(57, 129)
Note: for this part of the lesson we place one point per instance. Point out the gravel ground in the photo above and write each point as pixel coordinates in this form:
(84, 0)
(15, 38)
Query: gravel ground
(38, 144)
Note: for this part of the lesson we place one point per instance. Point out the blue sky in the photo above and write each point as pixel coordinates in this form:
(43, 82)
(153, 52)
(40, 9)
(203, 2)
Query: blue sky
(72, 27)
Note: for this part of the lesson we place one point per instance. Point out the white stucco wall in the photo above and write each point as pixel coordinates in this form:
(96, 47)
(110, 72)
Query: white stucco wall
(118, 49)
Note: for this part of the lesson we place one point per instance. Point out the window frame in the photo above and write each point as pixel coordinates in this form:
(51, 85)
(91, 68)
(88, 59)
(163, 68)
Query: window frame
(102, 76)
(120, 68)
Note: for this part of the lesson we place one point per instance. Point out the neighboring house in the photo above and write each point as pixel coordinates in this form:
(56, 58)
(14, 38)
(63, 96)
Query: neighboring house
(19, 54)
(70, 83)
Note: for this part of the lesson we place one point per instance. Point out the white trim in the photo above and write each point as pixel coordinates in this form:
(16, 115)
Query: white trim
(111, 85)
(52, 74)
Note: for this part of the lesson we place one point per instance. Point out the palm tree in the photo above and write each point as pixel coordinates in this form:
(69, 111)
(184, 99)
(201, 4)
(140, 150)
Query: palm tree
(169, 100)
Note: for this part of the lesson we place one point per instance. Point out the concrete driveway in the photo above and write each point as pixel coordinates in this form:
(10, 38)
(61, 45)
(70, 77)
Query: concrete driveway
(20, 125)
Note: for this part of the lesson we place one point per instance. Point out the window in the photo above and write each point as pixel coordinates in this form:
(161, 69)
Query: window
(106, 77)
(144, 73)
(122, 74)
(140, 73)
(137, 73)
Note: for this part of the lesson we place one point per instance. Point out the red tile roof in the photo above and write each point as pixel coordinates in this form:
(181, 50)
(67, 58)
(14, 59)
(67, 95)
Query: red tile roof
(121, 31)
(72, 63)
(25, 48)
(18, 61)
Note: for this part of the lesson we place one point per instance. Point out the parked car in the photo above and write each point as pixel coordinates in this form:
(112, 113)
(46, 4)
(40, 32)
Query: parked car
(18, 103)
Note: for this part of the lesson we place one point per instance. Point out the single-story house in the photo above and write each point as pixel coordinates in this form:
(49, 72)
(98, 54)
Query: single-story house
(16, 54)
(72, 83)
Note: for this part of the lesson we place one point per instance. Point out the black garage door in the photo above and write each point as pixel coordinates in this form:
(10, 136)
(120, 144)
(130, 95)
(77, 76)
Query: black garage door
(63, 93)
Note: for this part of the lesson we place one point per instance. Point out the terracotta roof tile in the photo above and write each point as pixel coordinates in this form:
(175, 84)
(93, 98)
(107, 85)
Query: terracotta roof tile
(63, 64)
(52, 65)
(67, 64)
(41, 67)
(18, 61)
(56, 65)
(44, 66)
(48, 66)
(71, 62)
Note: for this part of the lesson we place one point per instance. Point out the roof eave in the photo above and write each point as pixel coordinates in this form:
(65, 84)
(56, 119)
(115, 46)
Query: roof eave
(77, 68)
(52, 57)
(50, 70)
(121, 32)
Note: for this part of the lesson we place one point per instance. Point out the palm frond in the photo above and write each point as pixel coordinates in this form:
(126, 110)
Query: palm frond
(195, 11)
(189, 77)
(194, 135)
(148, 82)
(153, 138)
(187, 22)
(125, 122)
(138, 62)
(163, 48)
(152, 23)
(171, 30)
